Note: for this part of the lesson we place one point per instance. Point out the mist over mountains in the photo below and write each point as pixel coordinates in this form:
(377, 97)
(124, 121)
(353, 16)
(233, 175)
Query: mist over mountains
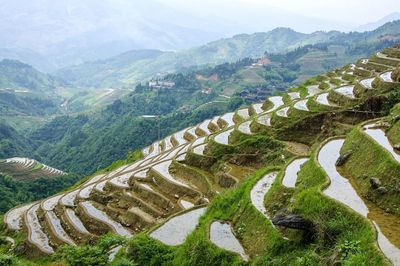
(53, 34)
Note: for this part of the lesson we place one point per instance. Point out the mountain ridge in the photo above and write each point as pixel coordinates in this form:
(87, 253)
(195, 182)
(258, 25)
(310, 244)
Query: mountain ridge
(224, 50)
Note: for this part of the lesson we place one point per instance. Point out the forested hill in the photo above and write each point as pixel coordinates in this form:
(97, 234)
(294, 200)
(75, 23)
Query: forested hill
(17, 75)
(117, 71)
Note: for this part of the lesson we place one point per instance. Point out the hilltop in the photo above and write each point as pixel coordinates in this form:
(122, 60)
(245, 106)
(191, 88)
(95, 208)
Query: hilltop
(267, 183)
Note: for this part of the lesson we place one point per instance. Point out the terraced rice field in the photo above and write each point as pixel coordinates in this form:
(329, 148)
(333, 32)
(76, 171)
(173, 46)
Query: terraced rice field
(347, 91)
(222, 236)
(290, 177)
(154, 193)
(27, 169)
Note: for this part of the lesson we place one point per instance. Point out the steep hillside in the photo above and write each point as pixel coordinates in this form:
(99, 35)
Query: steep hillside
(308, 177)
(227, 50)
(27, 169)
(24, 180)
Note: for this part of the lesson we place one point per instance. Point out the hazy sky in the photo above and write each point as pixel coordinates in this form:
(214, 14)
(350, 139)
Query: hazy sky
(345, 14)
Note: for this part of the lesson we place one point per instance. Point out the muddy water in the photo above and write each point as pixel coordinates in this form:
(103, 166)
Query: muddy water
(228, 118)
(367, 83)
(265, 120)
(283, 112)
(387, 76)
(222, 236)
(290, 177)
(85, 192)
(204, 126)
(163, 170)
(59, 231)
(75, 221)
(50, 204)
(69, 198)
(199, 149)
(346, 91)
(342, 190)
(36, 234)
(100, 186)
(99, 215)
(259, 191)
(156, 149)
(186, 204)
(14, 217)
(380, 137)
(121, 180)
(245, 127)
(175, 230)
(244, 113)
(258, 108)
(323, 99)
(301, 105)
(179, 137)
(277, 101)
(223, 137)
(312, 90)
(167, 143)
(198, 141)
(294, 95)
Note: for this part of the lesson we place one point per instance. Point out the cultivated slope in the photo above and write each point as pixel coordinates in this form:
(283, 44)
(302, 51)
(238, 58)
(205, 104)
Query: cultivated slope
(195, 166)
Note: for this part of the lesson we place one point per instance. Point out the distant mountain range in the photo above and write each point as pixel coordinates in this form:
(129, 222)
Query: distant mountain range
(373, 25)
(135, 66)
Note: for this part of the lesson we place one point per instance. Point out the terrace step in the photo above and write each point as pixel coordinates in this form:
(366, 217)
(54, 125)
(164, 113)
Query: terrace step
(243, 114)
(256, 109)
(90, 212)
(134, 198)
(14, 217)
(202, 129)
(177, 139)
(226, 120)
(55, 230)
(283, 112)
(169, 184)
(264, 120)
(379, 136)
(73, 224)
(190, 134)
(301, 105)
(223, 137)
(323, 99)
(213, 125)
(150, 194)
(245, 127)
(36, 235)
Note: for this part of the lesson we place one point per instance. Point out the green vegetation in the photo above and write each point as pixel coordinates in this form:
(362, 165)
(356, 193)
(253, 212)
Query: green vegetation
(13, 192)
